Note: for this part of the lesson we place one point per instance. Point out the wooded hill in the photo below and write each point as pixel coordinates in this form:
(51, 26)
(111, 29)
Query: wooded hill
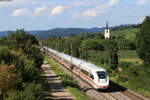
(61, 32)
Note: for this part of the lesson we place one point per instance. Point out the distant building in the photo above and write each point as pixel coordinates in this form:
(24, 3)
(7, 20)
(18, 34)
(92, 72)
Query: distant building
(107, 32)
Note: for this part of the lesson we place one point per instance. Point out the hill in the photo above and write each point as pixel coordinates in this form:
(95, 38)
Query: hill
(58, 32)
(61, 32)
(4, 33)
(128, 33)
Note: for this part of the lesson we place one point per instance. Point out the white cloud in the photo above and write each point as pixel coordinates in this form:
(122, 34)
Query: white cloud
(141, 2)
(100, 9)
(12, 3)
(57, 10)
(19, 12)
(112, 2)
(92, 12)
(140, 20)
(39, 10)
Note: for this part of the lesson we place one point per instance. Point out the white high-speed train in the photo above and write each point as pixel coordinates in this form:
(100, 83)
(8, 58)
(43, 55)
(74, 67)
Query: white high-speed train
(94, 75)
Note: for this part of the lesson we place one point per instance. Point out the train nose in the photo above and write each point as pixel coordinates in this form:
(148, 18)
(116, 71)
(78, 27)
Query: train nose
(102, 80)
(103, 83)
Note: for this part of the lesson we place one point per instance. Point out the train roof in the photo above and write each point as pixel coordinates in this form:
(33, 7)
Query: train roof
(77, 62)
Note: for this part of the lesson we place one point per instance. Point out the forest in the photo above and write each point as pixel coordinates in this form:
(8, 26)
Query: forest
(126, 57)
(20, 67)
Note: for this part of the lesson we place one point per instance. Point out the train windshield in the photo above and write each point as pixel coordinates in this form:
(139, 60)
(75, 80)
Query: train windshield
(101, 74)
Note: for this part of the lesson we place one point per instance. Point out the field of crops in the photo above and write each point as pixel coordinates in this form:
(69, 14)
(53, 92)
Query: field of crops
(128, 32)
(124, 56)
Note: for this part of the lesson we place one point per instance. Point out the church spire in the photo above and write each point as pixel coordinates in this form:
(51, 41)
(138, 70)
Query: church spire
(107, 25)
(107, 34)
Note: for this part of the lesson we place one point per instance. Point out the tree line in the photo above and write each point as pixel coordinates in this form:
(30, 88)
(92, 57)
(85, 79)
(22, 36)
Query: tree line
(79, 46)
(20, 67)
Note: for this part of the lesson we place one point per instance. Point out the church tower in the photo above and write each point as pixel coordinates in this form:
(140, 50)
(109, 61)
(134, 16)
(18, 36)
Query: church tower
(106, 34)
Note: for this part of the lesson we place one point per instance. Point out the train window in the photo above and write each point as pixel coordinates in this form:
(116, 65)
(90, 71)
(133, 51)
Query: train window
(91, 76)
(101, 74)
(71, 67)
(85, 72)
(76, 67)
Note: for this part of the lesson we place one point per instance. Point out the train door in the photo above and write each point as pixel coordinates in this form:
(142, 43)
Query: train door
(92, 79)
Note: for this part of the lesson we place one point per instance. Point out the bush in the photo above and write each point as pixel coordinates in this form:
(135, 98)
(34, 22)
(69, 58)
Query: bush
(21, 51)
(27, 68)
(6, 56)
(7, 79)
(143, 43)
(125, 64)
(31, 92)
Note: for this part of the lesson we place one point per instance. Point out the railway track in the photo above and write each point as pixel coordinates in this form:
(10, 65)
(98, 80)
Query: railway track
(115, 92)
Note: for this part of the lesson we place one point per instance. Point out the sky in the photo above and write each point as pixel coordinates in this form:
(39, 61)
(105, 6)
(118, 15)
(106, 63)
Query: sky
(48, 14)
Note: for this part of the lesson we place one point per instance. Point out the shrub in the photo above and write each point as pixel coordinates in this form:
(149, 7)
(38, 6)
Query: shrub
(7, 79)
(125, 64)
(31, 92)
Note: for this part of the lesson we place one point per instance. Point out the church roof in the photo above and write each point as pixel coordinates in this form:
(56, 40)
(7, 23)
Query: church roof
(107, 25)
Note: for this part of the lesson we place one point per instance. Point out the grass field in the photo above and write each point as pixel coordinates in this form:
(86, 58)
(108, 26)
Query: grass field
(69, 83)
(124, 56)
(129, 33)
(128, 54)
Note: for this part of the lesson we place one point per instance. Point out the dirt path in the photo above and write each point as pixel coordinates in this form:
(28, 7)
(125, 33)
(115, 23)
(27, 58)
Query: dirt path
(55, 85)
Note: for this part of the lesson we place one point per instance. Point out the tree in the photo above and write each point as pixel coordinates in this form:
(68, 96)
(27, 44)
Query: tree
(75, 44)
(7, 79)
(143, 41)
(20, 39)
(111, 48)
(20, 65)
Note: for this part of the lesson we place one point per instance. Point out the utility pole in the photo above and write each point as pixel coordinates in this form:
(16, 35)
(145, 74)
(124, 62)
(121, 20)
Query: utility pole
(71, 62)
(71, 56)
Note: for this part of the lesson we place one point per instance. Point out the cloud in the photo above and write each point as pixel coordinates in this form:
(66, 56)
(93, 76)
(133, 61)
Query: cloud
(57, 10)
(100, 9)
(19, 12)
(141, 2)
(112, 2)
(92, 12)
(12, 3)
(39, 10)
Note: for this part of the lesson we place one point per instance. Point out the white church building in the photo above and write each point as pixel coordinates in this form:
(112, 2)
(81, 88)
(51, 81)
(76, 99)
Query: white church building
(107, 32)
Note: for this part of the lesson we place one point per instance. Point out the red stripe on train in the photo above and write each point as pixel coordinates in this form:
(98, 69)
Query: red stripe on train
(89, 78)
